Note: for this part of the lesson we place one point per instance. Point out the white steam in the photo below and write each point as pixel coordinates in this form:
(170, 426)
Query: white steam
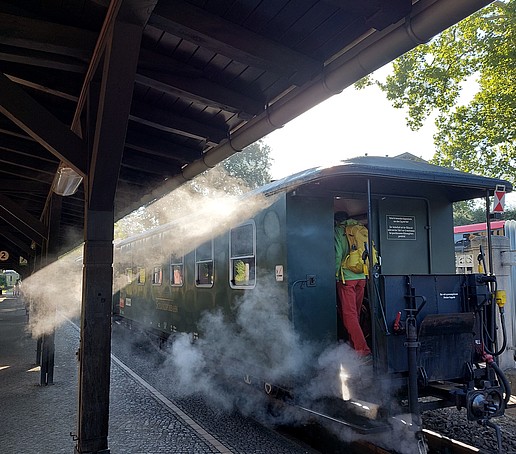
(259, 345)
(203, 210)
(55, 288)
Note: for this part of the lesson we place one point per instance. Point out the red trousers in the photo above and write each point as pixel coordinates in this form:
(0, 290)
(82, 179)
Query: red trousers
(351, 295)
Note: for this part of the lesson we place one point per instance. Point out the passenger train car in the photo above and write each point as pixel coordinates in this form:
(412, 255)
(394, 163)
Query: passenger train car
(431, 331)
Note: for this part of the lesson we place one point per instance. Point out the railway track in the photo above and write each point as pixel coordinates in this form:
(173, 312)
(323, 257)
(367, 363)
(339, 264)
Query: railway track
(313, 435)
(439, 444)
(327, 443)
(436, 443)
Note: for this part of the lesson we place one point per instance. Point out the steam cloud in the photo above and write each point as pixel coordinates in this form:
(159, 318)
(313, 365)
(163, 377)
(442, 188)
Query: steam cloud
(260, 344)
(55, 289)
(203, 210)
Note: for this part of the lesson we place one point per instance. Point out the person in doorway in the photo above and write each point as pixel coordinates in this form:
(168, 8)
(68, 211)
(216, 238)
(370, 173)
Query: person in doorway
(350, 287)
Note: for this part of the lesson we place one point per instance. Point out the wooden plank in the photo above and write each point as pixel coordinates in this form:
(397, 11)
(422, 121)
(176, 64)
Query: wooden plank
(203, 91)
(177, 124)
(121, 60)
(161, 147)
(45, 36)
(226, 38)
(28, 187)
(41, 125)
(17, 145)
(135, 12)
(22, 221)
(43, 60)
(23, 248)
(149, 165)
(42, 88)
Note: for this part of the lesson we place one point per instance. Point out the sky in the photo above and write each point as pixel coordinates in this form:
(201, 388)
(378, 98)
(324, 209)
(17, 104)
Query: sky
(350, 124)
(353, 123)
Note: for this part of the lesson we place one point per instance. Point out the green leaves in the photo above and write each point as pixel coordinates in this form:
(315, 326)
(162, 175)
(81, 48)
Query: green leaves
(252, 165)
(477, 135)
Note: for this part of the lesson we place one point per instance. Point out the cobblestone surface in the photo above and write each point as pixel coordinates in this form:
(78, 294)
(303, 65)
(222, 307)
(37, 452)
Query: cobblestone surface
(33, 418)
(40, 419)
(241, 434)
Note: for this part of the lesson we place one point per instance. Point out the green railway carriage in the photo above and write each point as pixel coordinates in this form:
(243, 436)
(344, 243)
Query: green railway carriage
(284, 251)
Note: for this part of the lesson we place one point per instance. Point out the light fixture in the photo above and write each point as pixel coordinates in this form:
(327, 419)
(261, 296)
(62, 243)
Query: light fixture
(66, 181)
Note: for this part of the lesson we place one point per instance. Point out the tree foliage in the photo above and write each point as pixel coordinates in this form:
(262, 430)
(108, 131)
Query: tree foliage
(236, 175)
(473, 212)
(478, 136)
(251, 166)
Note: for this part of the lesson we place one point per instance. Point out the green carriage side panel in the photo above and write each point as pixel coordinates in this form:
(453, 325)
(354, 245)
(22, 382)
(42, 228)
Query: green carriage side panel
(311, 255)
(416, 235)
(442, 246)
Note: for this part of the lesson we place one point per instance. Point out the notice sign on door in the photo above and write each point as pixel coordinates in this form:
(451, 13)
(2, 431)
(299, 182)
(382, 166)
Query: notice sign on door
(401, 227)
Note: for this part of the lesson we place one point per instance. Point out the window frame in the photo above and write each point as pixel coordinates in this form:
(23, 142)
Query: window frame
(180, 261)
(243, 257)
(139, 274)
(202, 262)
(159, 274)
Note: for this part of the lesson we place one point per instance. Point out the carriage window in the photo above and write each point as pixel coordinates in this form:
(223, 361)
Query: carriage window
(204, 265)
(176, 270)
(140, 276)
(157, 275)
(242, 251)
(129, 275)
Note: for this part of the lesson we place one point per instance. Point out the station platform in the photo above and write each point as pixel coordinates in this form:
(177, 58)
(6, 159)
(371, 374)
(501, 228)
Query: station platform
(143, 420)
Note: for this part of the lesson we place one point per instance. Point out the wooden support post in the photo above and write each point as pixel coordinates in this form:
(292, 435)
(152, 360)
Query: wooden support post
(38, 350)
(47, 358)
(52, 247)
(120, 60)
(95, 351)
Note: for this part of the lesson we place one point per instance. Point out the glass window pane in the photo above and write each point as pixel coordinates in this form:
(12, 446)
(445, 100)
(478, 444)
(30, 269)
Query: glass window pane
(205, 273)
(242, 256)
(176, 274)
(242, 241)
(157, 275)
(140, 280)
(204, 252)
(243, 272)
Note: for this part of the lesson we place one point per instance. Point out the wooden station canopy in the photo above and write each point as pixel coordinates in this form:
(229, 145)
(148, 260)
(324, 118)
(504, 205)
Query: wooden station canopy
(139, 96)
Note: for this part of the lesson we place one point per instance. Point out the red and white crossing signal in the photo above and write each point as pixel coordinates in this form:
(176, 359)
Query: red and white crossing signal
(499, 199)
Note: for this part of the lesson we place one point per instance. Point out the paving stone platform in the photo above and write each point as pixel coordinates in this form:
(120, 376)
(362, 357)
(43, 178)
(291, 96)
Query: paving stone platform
(42, 419)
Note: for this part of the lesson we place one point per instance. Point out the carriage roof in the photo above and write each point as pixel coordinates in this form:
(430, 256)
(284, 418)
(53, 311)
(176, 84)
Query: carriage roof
(393, 176)
(388, 175)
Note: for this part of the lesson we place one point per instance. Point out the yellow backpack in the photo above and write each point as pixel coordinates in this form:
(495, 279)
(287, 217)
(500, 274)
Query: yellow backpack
(358, 239)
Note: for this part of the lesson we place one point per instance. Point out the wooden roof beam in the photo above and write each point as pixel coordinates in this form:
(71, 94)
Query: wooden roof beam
(43, 60)
(42, 88)
(226, 38)
(45, 36)
(22, 246)
(31, 227)
(203, 91)
(32, 150)
(176, 124)
(149, 165)
(161, 147)
(28, 187)
(41, 125)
